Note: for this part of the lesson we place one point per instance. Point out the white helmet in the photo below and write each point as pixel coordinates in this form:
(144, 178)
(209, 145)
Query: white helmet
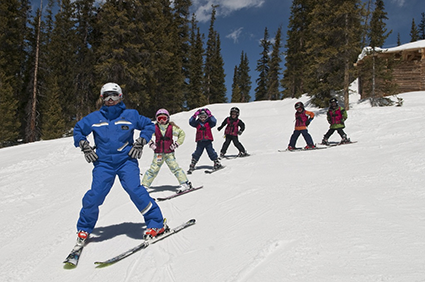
(111, 87)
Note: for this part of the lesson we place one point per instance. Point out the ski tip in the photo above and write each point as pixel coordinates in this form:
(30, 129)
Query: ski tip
(68, 265)
(100, 264)
(192, 221)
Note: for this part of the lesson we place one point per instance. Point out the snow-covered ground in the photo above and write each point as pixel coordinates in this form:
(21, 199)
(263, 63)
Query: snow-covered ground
(348, 213)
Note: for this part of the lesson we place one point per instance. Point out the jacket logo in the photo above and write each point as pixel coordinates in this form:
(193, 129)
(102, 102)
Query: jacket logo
(124, 127)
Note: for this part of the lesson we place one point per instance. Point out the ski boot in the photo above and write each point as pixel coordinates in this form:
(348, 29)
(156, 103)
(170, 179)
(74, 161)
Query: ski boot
(82, 237)
(192, 166)
(345, 140)
(242, 154)
(184, 187)
(151, 233)
(217, 164)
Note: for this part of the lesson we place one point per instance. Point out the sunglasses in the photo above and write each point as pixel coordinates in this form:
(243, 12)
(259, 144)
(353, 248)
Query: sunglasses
(161, 118)
(115, 96)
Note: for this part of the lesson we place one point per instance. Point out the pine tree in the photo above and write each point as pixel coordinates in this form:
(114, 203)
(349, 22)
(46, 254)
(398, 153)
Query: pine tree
(366, 23)
(9, 126)
(123, 50)
(181, 20)
(263, 68)
(236, 91)
(244, 79)
(294, 75)
(273, 80)
(86, 93)
(241, 85)
(13, 36)
(63, 59)
(170, 75)
(333, 48)
(398, 39)
(421, 27)
(378, 31)
(53, 123)
(195, 97)
(414, 32)
(32, 131)
(351, 13)
(214, 77)
(377, 71)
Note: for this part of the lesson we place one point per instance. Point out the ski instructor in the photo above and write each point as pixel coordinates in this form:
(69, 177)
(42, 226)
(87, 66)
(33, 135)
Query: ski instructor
(115, 153)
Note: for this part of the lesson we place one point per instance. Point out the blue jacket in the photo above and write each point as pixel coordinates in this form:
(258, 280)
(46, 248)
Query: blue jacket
(113, 129)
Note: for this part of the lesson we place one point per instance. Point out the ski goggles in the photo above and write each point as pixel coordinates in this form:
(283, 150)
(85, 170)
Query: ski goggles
(161, 118)
(115, 96)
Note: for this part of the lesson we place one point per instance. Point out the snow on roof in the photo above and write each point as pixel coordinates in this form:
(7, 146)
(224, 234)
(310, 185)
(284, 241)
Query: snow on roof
(408, 46)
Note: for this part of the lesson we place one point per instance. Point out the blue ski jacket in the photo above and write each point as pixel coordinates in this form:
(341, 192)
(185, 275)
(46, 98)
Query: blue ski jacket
(113, 130)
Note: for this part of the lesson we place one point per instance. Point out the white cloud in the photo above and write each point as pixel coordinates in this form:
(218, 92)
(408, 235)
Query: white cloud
(203, 8)
(235, 35)
(399, 2)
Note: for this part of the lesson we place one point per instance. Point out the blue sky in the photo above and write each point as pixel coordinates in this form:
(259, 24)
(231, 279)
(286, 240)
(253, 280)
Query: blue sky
(241, 25)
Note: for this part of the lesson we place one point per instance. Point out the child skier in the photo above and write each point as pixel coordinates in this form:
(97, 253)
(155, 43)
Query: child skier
(164, 147)
(336, 116)
(203, 121)
(234, 127)
(302, 120)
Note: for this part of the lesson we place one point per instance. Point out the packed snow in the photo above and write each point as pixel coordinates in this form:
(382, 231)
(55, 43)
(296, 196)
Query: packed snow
(348, 213)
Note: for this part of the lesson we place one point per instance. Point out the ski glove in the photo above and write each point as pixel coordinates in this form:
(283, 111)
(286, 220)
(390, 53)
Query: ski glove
(219, 128)
(152, 145)
(208, 112)
(137, 150)
(240, 132)
(307, 123)
(88, 151)
(196, 113)
(174, 146)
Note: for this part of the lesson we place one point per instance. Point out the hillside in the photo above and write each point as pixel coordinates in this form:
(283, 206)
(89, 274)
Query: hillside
(347, 213)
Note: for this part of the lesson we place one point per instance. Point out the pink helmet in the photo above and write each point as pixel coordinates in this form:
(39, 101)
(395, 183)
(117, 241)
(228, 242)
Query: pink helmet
(162, 112)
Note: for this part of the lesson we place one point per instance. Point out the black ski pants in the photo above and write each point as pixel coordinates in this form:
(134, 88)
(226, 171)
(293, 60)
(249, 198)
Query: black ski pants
(235, 140)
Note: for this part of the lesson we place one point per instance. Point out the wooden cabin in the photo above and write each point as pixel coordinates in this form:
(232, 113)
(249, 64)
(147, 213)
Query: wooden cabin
(408, 71)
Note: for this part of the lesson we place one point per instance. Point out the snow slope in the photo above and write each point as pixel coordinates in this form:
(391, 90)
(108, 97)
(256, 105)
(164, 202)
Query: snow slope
(348, 213)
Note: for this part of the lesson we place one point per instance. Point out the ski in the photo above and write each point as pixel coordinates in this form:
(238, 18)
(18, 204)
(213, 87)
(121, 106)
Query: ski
(333, 144)
(179, 194)
(74, 256)
(302, 149)
(209, 171)
(145, 244)
(231, 157)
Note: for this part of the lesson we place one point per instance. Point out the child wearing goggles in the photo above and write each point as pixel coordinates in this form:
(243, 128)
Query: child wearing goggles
(164, 146)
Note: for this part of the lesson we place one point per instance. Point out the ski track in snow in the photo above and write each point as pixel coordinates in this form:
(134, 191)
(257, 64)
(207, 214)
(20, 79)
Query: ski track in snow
(262, 257)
